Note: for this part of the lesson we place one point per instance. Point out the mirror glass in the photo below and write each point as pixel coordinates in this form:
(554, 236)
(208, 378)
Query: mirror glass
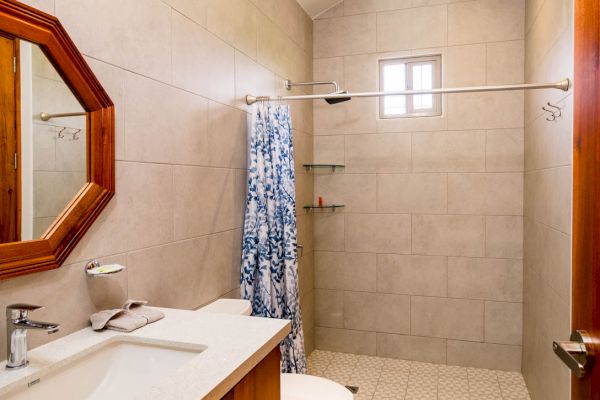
(44, 162)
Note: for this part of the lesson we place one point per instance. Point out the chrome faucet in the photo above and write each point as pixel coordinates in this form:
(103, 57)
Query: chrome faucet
(17, 324)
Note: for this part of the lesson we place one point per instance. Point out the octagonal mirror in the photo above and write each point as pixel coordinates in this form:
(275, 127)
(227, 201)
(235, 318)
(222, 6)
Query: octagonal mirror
(57, 138)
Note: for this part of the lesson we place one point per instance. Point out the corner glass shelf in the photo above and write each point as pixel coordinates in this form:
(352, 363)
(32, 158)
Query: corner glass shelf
(333, 167)
(331, 207)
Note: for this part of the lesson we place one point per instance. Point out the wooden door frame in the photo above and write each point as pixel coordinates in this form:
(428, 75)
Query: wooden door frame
(586, 187)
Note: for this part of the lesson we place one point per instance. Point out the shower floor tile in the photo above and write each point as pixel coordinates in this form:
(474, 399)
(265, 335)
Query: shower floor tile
(389, 379)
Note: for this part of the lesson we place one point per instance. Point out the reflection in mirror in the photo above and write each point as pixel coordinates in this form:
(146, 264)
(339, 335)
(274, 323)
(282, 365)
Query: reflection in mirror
(49, 164)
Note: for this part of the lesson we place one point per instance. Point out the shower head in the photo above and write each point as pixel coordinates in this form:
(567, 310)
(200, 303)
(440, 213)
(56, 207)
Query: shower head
(339, 100)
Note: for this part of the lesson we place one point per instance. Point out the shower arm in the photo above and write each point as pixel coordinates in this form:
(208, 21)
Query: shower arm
(563, 85)
(289, 84)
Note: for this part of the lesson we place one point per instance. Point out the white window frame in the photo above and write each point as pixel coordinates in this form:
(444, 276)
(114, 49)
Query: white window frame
(436, 62)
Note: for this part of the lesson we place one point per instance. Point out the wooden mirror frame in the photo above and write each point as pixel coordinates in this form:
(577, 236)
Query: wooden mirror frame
(25, 257)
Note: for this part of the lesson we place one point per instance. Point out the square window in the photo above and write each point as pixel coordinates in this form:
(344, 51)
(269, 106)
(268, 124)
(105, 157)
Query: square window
(413, 73)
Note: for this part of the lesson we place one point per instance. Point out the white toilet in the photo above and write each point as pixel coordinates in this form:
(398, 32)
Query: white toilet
(293, 386)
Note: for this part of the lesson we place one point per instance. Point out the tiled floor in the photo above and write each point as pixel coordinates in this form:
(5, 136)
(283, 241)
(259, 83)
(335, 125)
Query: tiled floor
(389, 379)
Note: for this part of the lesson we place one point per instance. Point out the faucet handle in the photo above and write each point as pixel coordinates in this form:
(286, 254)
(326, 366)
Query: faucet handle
(20, 310)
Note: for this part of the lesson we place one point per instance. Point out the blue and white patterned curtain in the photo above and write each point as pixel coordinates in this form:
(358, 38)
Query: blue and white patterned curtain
(269, 259)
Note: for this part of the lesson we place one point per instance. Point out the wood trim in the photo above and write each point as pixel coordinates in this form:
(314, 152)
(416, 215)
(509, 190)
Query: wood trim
(586, 186)
(61, 238)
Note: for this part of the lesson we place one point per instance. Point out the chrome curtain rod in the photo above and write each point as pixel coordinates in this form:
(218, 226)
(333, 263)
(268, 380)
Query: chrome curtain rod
(563, 85)
(47, 116)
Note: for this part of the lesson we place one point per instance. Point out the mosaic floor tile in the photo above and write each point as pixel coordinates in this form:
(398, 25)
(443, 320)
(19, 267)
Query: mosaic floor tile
(389, 379)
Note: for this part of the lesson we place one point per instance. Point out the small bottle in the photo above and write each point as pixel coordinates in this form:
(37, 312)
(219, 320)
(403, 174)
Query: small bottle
(320, 201)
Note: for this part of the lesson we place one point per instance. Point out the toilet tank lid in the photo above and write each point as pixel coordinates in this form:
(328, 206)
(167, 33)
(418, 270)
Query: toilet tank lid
(229, 306)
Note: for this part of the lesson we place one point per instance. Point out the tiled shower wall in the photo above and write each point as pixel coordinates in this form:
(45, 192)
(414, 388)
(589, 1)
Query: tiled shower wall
(425, 261)
(548, 183)
(177, 71)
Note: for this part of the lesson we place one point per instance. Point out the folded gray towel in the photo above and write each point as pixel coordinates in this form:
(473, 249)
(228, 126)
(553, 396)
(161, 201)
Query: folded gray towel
(118, 320)
(137, 307)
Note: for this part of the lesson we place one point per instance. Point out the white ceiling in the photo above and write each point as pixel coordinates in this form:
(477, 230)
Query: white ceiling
(316, 7)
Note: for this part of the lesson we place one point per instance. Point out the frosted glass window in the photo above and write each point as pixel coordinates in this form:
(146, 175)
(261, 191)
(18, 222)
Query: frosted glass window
(416, 73)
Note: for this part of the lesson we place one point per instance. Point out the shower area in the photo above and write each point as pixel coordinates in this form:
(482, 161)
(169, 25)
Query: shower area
(439, 261)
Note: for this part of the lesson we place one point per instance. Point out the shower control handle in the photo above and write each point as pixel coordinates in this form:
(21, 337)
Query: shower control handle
(577, 354)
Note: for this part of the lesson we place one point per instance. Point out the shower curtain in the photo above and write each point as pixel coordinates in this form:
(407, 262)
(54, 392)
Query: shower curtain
(269, 276)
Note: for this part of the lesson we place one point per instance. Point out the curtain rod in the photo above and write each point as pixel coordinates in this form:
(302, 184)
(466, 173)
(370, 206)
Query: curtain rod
(563, 85)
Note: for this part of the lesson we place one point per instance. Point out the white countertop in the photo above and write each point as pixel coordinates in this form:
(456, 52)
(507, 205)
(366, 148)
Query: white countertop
(234, 345)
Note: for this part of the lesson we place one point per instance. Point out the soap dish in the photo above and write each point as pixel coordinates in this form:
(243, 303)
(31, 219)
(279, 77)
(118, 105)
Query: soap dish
(94, 269)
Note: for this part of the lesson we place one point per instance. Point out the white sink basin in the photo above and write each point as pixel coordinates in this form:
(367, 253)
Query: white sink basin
(118, 370)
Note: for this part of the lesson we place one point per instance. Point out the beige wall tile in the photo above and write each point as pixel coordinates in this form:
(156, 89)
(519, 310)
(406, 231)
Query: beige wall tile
(548, 252)
(448, 151)
(251, 78)
(489, 193)
(328, 69)
(147, 197)
(412, 193)
(424, 349)
(412, 28)
(234, 21)
(200, 212)
(505, 62)
(279, 53)
(361, 73)
(504, 150)
(550, 192)
(484, 355)
(548, 145)
(352, 117)
(329, 308)
(394, 152)
(346, 341)
(464, 65)
(356, 191)
(485, 278)
(447, 318)
(335, 11)
(378, 312)
(193, 9)
(179, 136)
(485, 21)
(378, 233)
(496, 110)
(452, 235)
(190, 262)
(344, 36)
(416, 275)
(504, 237)
(212, 77)
(339, 270)
(329, 149)
(352, 7)
(109, 30)
(361, 153)
(329, 231)
(227, 136)
(303, 151)
(503, 323)
(552, 23)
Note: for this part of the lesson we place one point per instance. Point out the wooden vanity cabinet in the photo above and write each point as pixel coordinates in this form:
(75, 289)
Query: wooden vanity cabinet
(262, 383)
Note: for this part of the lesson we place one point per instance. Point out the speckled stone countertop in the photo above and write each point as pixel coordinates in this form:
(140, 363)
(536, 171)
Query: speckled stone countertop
(234, 345)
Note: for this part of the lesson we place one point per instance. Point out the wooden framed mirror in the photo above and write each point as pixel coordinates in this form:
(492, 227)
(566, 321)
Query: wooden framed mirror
(57, 164)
